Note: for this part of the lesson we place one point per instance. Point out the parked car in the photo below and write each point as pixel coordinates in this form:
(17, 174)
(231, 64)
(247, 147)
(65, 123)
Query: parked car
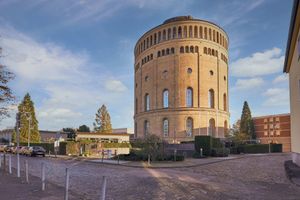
(2, 148)
(22, 150)
(37, 150)
(9, 149)
(14, 150)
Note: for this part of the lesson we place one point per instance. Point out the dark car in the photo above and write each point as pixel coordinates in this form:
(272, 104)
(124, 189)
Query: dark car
(37, 151)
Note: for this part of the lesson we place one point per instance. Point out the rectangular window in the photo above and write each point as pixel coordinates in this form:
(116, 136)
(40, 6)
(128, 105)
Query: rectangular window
(277, 132)
(265, 126)
(265, 133)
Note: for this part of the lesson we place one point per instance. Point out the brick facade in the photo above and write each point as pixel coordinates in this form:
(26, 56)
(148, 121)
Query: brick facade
(274, 129)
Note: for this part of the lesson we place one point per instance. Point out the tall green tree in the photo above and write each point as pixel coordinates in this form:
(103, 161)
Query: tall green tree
(28, 121)
(6, 95)
(102, 122)
(246, 124)
(84, 128)
(71, 133)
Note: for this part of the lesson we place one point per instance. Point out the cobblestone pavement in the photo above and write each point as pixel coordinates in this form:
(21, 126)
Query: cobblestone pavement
(255, 177)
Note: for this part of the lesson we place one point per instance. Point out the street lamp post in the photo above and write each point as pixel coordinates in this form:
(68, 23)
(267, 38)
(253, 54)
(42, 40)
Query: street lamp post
(29, 122)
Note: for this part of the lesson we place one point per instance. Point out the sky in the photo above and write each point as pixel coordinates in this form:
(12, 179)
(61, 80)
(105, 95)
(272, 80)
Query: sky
(74, 56)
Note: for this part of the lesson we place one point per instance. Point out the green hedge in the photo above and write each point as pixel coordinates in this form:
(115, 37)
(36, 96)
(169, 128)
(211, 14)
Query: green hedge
(259, 148)
(220, 152)
(216, 143)
(116, 145)
(204, 142)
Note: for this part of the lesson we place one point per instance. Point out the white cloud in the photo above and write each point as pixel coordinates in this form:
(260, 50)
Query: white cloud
(258, 64)
(32, 60)
(276, 97)
(115, 86)
(246, 84)
(68, 92)
(283, 78)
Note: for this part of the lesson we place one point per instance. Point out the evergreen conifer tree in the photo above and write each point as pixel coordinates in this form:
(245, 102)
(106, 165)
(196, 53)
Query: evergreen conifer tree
(102, 122)
(246, 124)
(28, 121)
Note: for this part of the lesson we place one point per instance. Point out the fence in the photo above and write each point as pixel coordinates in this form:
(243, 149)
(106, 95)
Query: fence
(10, 161)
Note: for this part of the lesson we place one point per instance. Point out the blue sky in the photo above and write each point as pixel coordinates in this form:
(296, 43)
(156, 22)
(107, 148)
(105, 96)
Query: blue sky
(74, 56)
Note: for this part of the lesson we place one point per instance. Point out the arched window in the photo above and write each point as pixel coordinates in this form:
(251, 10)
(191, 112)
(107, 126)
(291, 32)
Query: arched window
(166, 98)
(147, 43)
(217, 37)
(166, 127)
(181, 49)
(164, 35)
(146, 127)
(174, 32)
(189, 127)
(158, 54)
(216, 53)
(211, 98)
(213, 52)
(212, 127)
(168, 51)
(179, 32)
(155, 38)
(163, 52)
(185, 32)
(159, 37)
(190, 31)
(172, 50)
(205, 50)
(151, 41)
(147, 102)
(225, 127)
(169, 34)
(209, 51)
(214, 35)
(136, 105)
(201, 32)
(189, 97)
(195, 31)
(205, 33)
(191, 49)
(209, 34)
(224, 102)
(187, 49)
(196, 49)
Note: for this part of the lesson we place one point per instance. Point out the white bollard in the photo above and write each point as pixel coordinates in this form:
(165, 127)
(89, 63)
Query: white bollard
(103, 188)
(26, 171)
(43, 176)
(9, 165)
(18, 164)
(67, 184)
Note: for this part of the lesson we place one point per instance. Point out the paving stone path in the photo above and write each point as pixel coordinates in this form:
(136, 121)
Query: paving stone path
(254, 177)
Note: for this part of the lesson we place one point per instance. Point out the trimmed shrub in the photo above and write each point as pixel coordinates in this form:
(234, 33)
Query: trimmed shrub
(216, 143)
(204, 142)
(197, 155)
(260, 148)
(62, 148)
(234, 150)
(116, 145)
(276, 148)
(220, 152)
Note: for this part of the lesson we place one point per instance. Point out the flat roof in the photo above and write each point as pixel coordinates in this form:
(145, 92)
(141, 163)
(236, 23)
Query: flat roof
(274, 115)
